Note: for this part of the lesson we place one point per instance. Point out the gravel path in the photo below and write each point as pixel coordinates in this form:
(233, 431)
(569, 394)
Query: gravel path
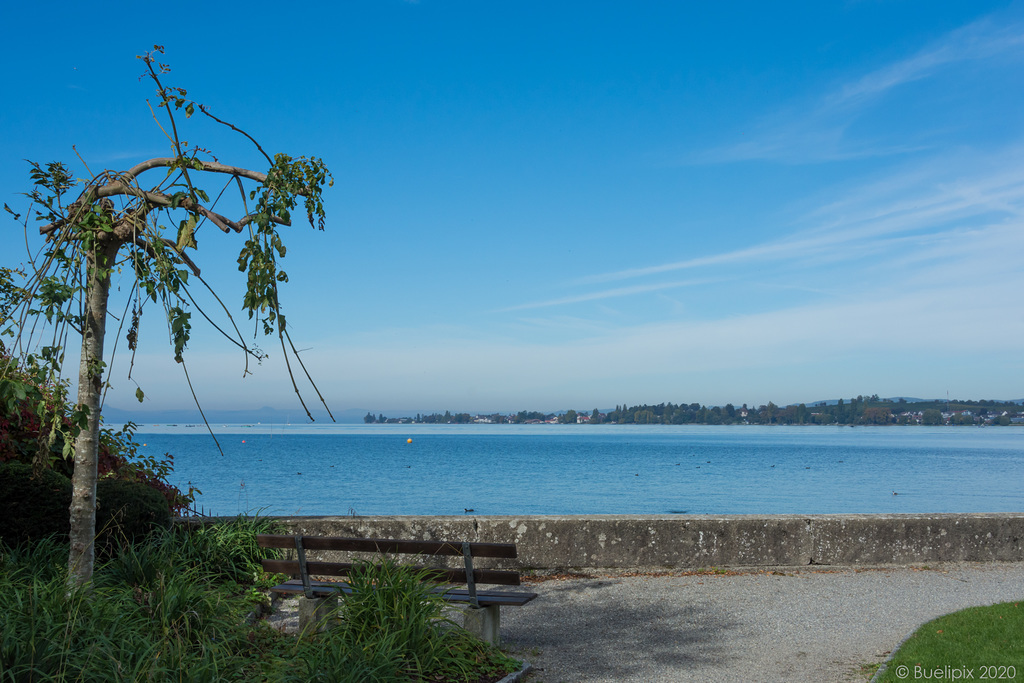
(792, 626)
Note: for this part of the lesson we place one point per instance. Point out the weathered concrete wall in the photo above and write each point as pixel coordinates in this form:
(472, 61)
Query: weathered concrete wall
(639, 541)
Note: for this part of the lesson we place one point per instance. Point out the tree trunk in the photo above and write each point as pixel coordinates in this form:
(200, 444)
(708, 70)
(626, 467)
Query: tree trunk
(90, 387)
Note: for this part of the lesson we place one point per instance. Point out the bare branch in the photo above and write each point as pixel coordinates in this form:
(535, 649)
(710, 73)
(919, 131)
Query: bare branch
(308, 376)
(201, 413)
(202, 108)
(176, 141)
(240, 344)
(117, 338)
(210, 166)
(291, 375)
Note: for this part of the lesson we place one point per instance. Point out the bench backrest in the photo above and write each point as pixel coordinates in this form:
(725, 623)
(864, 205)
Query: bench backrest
(304, 568)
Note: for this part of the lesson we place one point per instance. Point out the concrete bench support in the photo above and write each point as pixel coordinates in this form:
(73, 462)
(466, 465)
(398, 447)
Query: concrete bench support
(483, 622)
(315, 614)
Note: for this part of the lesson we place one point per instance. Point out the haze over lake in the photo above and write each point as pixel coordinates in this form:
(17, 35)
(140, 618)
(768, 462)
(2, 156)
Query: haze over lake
(574, 469)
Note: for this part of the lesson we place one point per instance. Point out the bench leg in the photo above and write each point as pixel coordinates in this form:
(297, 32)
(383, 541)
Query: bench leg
(483, 622)
(315, 613)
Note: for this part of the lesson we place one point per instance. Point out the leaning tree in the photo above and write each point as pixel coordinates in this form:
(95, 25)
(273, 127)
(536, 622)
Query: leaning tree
(116, 224)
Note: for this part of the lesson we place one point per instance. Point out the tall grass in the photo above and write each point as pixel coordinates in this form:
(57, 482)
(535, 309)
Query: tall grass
(226, 550)
(142, 619)
(391, 628)
(173, 609)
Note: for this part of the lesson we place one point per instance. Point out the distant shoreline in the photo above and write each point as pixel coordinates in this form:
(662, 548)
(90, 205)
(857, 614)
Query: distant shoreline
(406, 430)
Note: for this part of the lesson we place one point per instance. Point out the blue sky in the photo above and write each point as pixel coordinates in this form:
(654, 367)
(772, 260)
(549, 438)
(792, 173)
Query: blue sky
(576, 205)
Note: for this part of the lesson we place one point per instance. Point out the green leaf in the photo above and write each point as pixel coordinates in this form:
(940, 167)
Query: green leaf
(139, 395)
(180, 330)
(186, 234)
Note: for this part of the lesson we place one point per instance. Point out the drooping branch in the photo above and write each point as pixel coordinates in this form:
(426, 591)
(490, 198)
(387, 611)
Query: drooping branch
(309, 377)
(151, 250)
(205, 110)
(123, 185)
(241, 340)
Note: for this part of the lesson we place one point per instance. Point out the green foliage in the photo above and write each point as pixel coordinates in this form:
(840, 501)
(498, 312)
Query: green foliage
(35, 505)
(392, 628)
(44, 558)
(117, 631)
(35, 425)
(10, 293)
(32, 506)
(286, 180)
(222, 552)
(127, 512)
(120, 458)
(226, 550)
(116, 224)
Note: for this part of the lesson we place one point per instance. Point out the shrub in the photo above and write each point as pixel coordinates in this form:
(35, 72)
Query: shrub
(38, 426)
(33, 506)
(127, 512)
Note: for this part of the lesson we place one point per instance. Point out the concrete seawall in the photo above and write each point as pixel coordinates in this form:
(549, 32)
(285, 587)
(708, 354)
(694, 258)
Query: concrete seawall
(681, 541)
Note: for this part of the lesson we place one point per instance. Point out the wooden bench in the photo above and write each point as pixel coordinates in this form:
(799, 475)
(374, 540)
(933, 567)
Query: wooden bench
(482, 616)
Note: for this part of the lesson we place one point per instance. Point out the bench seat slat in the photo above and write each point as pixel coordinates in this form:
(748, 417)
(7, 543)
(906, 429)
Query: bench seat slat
(323, 588)
(316, 568)
(386, 545)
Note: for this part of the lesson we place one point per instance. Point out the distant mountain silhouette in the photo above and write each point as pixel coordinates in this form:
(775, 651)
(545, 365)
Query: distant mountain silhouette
(266, 415)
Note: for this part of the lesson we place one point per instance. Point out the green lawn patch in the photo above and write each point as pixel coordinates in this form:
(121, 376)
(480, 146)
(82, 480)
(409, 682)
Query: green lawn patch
(978, 643)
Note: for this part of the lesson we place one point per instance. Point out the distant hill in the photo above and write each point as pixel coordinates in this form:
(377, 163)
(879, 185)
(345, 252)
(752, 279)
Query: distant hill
(909, 399)
(894, 399)
(265, 415)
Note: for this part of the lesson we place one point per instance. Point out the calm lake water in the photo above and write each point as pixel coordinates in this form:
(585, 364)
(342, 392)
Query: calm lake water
(582, 469)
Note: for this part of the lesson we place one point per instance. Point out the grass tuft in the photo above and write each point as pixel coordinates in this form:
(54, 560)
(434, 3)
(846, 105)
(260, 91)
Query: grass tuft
(392, 628)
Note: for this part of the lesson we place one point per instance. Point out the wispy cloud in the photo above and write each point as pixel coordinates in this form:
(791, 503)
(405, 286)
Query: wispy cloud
(110, 156)
(605, 294)
(982, 39)
(942, 194)
(818, 130)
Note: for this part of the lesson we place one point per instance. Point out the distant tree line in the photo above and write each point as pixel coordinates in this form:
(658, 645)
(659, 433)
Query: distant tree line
(862, 410)
(436, 418)
(870, 410)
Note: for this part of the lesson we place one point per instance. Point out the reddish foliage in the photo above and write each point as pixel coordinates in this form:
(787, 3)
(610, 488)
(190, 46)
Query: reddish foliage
(23, 434)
